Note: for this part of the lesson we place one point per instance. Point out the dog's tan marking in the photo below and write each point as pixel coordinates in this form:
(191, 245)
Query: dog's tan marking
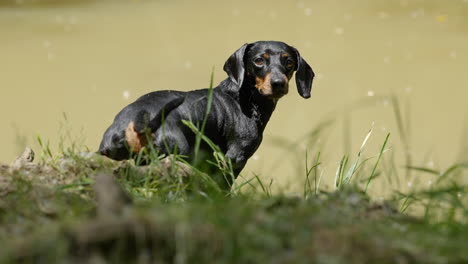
(286, 86)
(266, 56)
(136, 141)
(264, 85)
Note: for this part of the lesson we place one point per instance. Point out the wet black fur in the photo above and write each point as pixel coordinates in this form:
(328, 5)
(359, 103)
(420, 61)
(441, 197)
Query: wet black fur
(239, 111)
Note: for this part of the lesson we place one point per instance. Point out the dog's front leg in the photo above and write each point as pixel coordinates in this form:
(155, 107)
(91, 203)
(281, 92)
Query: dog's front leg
(238, 158)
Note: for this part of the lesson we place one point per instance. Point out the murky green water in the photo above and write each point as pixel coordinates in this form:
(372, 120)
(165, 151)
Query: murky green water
(89, 59)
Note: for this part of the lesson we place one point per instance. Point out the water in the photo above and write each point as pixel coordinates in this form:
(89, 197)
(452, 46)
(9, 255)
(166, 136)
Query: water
(88, 59)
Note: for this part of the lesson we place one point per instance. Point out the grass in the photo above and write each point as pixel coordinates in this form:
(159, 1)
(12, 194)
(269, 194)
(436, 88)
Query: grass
(76, 207)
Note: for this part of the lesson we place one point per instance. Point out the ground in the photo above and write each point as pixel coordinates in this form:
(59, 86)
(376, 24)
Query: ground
(84, 208)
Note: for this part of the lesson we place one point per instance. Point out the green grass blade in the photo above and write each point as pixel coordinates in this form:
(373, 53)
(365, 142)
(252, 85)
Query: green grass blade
(377, 162)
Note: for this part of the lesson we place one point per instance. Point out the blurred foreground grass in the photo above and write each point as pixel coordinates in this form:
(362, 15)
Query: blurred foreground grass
(83, 208)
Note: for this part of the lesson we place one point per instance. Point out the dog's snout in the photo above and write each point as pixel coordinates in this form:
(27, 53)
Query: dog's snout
(278, 83)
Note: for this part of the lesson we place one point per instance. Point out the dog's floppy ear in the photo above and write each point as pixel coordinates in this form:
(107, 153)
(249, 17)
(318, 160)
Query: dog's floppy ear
(234, 66)
(304, 76)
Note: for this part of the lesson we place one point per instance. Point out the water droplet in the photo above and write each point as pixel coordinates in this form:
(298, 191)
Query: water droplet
(273, 14)
(50, 56)
(339, 30)
(383, 15)
(235, 12)
(370, 93)
(46, 43)
(126, 94)
(348, 17)
(72, 20)
(59, 19)
(409, 55)
(386, 59)
(385, 102)
(430, 164)
(408, 89)
(307, 11)
(453, 54)
(188, 65)
(418, 13)
(255, 157)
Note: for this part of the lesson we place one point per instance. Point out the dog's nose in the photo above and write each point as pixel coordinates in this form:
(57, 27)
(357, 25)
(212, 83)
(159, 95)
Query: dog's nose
(278, 84)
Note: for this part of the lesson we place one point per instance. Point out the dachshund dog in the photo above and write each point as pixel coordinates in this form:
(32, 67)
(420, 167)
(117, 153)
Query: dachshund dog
(241, 106)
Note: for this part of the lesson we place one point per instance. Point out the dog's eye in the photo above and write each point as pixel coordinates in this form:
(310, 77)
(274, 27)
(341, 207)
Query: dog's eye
(289, 63)
(259, 61)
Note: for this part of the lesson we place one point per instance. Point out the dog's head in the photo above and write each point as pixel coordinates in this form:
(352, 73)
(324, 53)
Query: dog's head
(269, 65)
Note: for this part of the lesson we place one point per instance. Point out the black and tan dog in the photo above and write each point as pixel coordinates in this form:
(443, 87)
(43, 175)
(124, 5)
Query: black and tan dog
(241, 107)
